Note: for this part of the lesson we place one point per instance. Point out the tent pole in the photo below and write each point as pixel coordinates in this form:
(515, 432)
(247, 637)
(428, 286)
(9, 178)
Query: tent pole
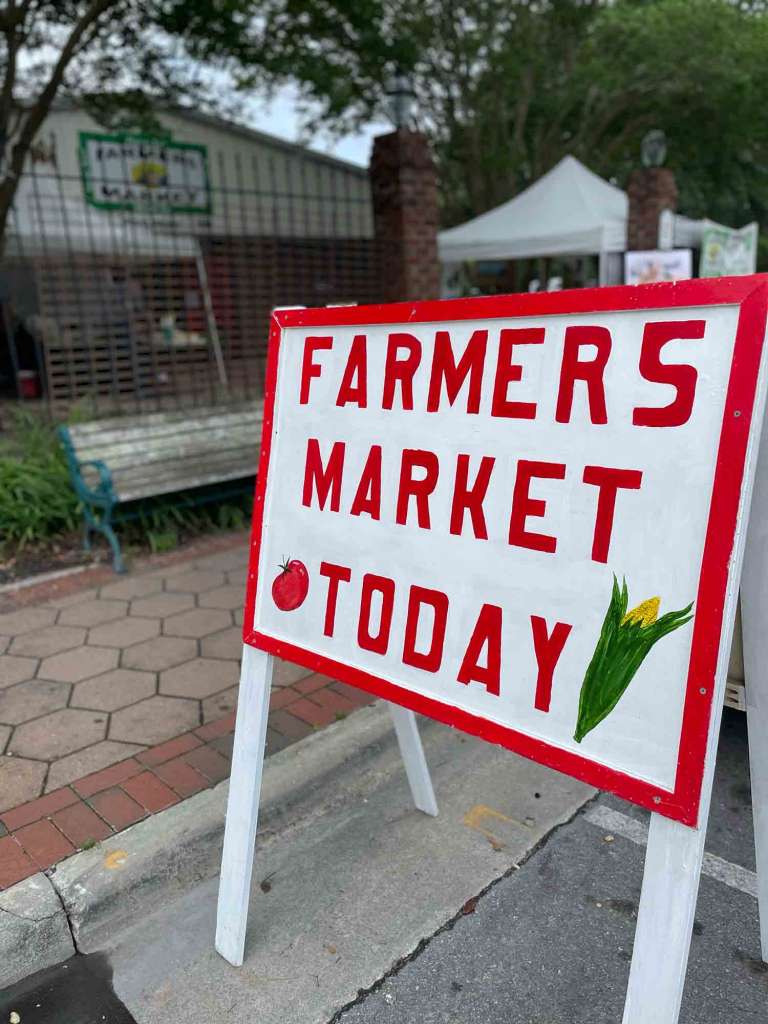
(602, 269)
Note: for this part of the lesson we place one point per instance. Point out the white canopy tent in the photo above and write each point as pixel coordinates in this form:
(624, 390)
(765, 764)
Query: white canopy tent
(569, 211)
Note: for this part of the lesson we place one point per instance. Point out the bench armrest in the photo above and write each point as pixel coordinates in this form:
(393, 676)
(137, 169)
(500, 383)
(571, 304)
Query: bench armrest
(103, 494)
(105, 477)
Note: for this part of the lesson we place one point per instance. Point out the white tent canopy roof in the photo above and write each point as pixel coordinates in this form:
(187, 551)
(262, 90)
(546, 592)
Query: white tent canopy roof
(568, 211)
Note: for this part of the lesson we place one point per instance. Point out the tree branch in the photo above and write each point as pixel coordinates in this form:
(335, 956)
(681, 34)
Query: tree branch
(42, 105)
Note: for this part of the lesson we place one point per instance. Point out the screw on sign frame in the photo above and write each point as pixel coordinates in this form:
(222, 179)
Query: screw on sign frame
(623, 693)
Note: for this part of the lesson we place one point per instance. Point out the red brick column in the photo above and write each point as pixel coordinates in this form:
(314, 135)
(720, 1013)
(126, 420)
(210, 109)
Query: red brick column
(405, 212)
(651, 191)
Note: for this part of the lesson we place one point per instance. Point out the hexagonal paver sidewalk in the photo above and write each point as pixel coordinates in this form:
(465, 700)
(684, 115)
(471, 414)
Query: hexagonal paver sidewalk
(120, 664)
(117, 701)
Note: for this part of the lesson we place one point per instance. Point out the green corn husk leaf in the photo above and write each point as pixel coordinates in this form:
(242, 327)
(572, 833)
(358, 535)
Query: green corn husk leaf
(621, 649)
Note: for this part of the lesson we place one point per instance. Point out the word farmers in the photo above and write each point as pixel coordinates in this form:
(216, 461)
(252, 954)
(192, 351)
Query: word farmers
(485, 374)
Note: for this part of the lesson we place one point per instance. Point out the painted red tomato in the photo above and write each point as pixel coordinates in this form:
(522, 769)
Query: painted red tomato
(290, 587)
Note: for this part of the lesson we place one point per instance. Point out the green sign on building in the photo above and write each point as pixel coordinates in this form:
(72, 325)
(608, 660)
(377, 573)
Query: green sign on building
(144, 174)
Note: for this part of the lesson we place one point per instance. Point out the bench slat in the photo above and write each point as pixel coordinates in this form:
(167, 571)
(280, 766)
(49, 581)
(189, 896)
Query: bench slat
(93, 440)
(138, 487)
(148, 421)
(180, 447)
(184, 468)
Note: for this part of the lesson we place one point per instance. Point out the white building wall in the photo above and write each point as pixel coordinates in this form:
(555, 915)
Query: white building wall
(260, 186)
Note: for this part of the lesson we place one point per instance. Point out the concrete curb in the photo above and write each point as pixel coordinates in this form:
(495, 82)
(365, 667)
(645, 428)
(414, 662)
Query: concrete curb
(34, 932)
(113, 885)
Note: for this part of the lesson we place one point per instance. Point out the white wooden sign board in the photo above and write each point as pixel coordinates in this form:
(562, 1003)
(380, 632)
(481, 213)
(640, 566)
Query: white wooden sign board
(523, 516)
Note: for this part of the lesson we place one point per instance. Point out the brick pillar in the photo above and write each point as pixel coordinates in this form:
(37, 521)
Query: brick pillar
(651, 191)
(405, 214)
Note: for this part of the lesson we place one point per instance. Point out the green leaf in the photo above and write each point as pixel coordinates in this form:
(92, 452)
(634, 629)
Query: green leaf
(620, 650)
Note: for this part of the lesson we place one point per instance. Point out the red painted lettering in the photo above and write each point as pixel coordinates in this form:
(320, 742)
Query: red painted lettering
(367, 497)
(508, 372)
(324, 478)
(681, 377)
(309, 368)
(418, 489)
(336, 574)
(608, 481)
(523, 505)
(487, 633)
(591, 371)
(354, 383)
(430, 660)
(445, 369)
(400, 370)
(379, 641)
(470, 499)
(548, 648)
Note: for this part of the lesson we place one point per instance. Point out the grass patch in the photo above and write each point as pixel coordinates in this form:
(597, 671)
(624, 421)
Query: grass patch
(163, 523)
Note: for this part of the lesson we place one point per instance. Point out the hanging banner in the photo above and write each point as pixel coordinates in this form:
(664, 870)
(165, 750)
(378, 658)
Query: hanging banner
(726, 252)
(516, 515)
(144, 174)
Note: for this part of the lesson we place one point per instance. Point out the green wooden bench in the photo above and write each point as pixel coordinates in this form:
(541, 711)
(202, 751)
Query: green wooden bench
(124, 460)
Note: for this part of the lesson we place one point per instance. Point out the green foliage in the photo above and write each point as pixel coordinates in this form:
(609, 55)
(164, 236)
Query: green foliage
(625, 640)
(165, 522)
(505, 88)
(695, 68)
(36, 498)
(591, 79)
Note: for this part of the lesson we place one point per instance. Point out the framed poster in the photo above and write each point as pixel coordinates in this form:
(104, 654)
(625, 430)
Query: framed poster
(652, 266)
(517, 515)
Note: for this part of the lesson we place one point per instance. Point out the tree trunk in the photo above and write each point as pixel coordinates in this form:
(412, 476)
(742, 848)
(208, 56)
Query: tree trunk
(8, 189)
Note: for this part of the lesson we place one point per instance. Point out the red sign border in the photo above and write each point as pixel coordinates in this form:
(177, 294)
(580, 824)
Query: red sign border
(751, 295)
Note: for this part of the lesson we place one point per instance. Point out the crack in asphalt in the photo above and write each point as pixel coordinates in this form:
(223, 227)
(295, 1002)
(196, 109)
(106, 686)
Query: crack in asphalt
(468, 908)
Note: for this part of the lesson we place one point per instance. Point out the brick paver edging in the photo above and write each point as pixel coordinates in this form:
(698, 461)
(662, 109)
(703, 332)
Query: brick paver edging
(37, 835)
(103, 573)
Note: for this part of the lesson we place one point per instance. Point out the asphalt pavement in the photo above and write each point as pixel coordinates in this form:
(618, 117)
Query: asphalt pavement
(76, 992)
(551, 943)
(516, 905)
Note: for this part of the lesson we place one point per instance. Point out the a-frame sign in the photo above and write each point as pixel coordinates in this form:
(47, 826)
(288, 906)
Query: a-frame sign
(525, 517)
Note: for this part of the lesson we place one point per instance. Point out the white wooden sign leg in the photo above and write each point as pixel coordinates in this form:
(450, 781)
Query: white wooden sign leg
(756, 677)
(754, 625)
(664, 922)
(415, 763)
(243, 804)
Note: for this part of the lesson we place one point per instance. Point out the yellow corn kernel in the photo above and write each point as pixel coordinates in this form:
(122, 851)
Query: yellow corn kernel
(645, 613)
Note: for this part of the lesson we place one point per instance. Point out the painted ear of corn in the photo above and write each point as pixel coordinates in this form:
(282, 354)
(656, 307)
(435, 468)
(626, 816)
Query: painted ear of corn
(625, 640)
